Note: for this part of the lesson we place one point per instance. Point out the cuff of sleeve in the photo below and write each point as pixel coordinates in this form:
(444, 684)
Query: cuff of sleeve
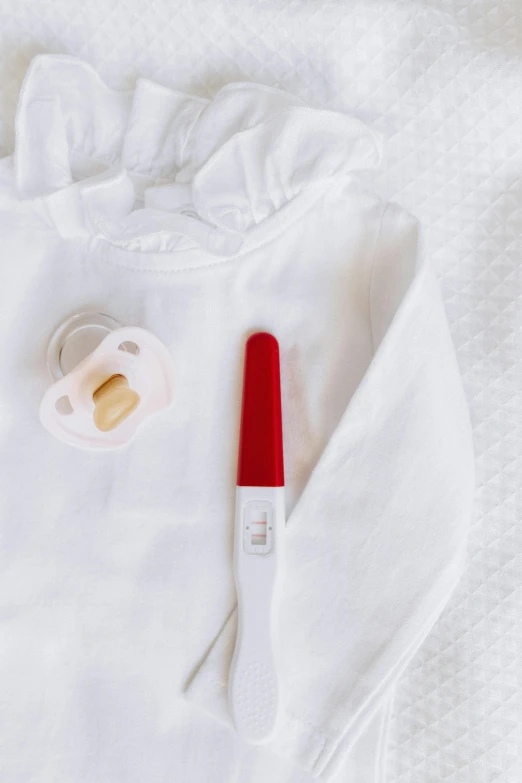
(296, 740)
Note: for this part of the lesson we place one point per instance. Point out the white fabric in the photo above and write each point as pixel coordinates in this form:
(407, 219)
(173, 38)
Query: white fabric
(441, 79)
(227, 216)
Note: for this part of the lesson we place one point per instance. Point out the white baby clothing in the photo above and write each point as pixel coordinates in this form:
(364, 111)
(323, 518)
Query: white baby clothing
(203, 221)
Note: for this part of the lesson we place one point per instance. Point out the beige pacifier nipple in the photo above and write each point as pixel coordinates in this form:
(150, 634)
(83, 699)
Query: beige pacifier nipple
(114, 400)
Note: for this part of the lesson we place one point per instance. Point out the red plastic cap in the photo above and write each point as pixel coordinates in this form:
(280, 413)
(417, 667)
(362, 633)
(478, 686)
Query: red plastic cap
(261, 439)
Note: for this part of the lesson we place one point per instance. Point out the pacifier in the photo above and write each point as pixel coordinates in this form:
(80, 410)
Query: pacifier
(108, 380)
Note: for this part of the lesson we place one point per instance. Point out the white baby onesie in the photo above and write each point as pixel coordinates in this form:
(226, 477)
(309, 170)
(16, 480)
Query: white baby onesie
(202, 222)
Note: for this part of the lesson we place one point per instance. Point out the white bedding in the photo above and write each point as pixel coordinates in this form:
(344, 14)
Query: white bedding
(443, 82)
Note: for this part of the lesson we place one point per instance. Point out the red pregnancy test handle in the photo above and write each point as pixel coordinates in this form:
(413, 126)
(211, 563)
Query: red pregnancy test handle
(260, 461)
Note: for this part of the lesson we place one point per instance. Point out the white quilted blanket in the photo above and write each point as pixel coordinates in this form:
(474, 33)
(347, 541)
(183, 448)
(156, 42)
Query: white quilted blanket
(442, 80)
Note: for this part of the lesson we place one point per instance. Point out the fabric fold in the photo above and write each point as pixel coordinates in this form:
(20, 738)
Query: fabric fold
(215, 169)
(69, 125)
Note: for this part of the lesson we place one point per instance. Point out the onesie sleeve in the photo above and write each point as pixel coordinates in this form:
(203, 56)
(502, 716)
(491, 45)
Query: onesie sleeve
(375, 544)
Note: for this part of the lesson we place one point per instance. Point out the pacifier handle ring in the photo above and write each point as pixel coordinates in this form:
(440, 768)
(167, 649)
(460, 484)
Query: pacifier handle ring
(76, 338)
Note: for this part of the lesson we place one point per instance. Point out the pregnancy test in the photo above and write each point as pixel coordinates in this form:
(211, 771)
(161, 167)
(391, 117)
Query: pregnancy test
(258, 543)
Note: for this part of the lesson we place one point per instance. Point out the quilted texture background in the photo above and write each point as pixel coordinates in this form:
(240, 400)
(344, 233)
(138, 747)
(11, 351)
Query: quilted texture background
(443, 82)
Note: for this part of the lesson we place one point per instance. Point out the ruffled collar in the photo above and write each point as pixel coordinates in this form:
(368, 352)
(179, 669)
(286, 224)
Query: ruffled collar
(156, 170)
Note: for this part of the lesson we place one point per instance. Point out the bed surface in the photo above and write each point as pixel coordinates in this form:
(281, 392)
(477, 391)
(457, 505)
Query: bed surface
(442, 81)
